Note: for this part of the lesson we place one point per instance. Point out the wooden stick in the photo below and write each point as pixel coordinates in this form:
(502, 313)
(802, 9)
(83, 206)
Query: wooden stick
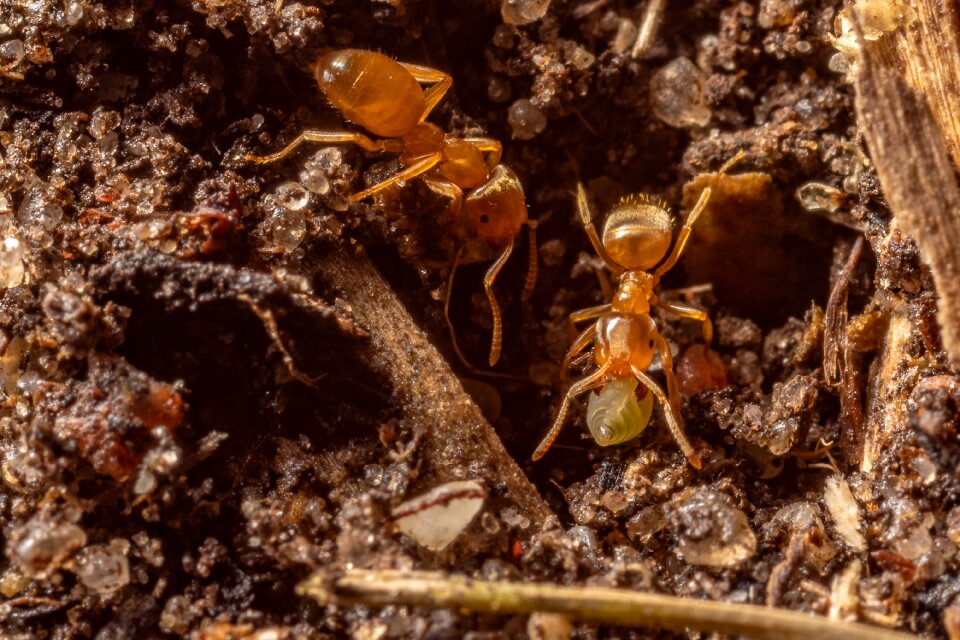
(619, 607)
(461, 444)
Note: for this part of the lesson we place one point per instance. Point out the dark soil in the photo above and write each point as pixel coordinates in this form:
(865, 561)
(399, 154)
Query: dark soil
(194, 419)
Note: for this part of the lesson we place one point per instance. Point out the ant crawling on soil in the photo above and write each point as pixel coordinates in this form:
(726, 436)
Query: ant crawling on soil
(385, 97)
(635, 245)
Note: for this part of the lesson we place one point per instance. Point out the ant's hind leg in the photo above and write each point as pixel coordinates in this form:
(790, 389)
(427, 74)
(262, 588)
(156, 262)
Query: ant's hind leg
(673, 389)
(488, 280)
(674, 419)
(592, 381)
(419, 167)
(329, 137)
(441, 84)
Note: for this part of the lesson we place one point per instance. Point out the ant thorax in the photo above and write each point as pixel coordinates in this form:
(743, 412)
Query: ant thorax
(635, 293)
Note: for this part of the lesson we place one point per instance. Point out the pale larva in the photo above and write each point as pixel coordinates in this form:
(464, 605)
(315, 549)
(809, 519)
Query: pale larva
(615, 415)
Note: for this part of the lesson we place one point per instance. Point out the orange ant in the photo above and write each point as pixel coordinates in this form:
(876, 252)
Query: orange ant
(385, 97)
(636, 245)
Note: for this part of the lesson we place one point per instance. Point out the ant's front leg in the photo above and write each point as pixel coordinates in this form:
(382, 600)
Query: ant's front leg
(421, 166)
(329, 137)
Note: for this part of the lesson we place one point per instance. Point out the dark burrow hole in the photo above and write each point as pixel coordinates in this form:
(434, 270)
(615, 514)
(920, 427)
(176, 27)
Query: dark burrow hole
(236, 381)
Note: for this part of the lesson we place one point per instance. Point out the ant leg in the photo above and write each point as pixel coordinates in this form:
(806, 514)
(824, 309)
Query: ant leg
(419, 167)
(698, 208)
(674, 420)
(586, 217)
(331, 137)
(693, 313)
(447, 189)
(441, 84)
(582, 341)
(488, 280)
(582, 315)
(580, 360)
(592, 381)
(531, 279)
(673, 389)
(684, 234)
(737, 157)
(488, 146)
(453, 334)
(446, 311)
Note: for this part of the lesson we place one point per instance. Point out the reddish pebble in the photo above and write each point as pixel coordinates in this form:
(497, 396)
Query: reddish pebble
(700, 368)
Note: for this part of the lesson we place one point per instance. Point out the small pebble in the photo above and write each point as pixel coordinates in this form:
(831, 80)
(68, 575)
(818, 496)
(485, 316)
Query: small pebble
(523, 11)
(816, 196)
(73, 12)
(104, 568)
(292, 196)
(549, 626)
(11, 263)
(710, 531)
(525, 119)
(288, 228)
(12, 53)
(676, 93)
(47, 544)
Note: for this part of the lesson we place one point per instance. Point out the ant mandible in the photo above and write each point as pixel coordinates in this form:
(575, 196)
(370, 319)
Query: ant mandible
(636, 245)
(385, 97)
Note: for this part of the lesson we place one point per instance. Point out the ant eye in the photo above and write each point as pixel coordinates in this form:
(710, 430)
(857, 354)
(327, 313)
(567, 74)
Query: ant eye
(484, 218)
(651, 343)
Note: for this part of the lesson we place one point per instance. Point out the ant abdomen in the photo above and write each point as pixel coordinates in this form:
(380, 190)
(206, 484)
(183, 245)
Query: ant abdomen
(372, 90)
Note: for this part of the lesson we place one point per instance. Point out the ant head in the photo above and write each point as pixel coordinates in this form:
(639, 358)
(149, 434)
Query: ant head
(496, 210)
(638, 232)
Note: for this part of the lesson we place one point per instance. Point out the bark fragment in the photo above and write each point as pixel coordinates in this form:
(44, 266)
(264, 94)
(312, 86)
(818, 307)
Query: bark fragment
(461, 442)
(917, 178)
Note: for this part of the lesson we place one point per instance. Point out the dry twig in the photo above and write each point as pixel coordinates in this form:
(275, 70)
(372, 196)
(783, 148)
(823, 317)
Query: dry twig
(461, 443)
(595, 604)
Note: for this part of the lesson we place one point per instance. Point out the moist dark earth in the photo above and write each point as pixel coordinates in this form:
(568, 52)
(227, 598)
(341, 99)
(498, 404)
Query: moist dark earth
(194, 420)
